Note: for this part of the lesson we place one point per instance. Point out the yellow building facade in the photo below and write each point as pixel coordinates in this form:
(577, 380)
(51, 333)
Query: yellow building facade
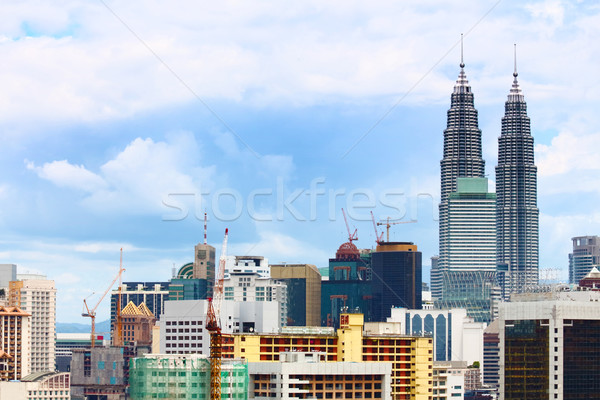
(411, 357)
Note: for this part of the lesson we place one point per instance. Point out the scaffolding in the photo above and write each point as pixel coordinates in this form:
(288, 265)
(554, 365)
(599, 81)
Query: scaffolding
(160, 376)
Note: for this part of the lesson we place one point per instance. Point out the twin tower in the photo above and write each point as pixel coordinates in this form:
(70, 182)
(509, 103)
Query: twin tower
(487, 238)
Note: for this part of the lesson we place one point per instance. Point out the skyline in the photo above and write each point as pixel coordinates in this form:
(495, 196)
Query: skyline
(106, 109)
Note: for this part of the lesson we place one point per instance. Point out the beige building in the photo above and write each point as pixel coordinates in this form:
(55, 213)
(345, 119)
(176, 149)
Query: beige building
(36, 295)
(38, 386)
(14, 343)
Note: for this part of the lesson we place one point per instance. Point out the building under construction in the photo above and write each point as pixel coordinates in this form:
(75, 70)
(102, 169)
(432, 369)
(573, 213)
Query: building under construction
(184, 377)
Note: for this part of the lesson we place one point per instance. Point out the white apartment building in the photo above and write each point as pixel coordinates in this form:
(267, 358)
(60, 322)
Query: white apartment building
(36, 295)
(449, 380)
(182, 325)
(249, 279)
(247, 264)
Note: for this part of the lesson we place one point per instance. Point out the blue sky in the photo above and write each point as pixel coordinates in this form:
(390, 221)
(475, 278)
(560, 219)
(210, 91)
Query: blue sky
(122, 122)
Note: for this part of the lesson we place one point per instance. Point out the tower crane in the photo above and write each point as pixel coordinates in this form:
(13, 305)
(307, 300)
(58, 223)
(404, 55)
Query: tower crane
(351, 236)
(388, 224)
(378, 237)
(92, 313)
(213, 325)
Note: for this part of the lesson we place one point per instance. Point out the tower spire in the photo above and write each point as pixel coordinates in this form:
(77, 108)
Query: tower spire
(515, 93)
(515, 74)
(462, 63)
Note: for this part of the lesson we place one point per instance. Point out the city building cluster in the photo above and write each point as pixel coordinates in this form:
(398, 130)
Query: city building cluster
(365, 327)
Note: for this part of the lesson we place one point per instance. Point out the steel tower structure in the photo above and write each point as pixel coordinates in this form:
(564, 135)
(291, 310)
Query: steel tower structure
(517, 214)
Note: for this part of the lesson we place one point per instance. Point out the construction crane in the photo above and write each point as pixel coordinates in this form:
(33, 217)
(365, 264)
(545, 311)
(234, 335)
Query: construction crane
(92, 313)
(378, 237)
(388, 224)
(351, 236)
(213, 325)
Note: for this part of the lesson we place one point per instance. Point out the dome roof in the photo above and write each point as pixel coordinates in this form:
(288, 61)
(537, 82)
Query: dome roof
(347, 251)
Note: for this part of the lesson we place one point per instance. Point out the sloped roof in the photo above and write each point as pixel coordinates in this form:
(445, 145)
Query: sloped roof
(130, 309)
(142, 309)
(593, 274)
(145, 310)
(11, 310)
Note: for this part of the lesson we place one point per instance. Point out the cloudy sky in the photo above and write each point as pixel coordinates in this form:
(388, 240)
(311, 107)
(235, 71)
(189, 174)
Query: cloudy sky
(121, 123)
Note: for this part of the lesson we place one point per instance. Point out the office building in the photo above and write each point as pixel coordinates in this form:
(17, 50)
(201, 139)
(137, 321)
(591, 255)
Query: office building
(469, 277)
(248, 280)
(456, 336)
(349, 286)
(182, 324)
(36, 295)
(462, 152)
(436, 278)
(491, 355)
(184, 377)
(517, 221)
(183, 286)
(470, 232)
(585, 256)
(8, 273)
(550, 345)
(137, 323)
(411, 357)
(307, 375)
(204, 266)
(152, 294)
(397, 278)
(15, 350)
(303, 282)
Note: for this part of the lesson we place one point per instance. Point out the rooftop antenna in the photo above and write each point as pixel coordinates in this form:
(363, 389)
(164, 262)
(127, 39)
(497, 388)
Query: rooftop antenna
(462, 63)
(515, 74)
(205, 228)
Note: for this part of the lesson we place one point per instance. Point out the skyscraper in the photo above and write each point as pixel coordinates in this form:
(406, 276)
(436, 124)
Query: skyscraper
(462, 151)
(585, 256)
(517, 225)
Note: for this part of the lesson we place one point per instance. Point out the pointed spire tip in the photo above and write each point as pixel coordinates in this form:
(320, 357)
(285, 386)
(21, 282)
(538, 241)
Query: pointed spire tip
(462, 62)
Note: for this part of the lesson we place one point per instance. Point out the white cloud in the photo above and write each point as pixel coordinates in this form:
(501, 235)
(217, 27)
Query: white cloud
(64, 174)
(273, 54)
(138, 178)
(278, 247)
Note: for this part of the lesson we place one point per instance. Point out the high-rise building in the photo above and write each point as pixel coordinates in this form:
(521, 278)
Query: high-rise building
(549, 345)
(470, 232)
(36, 295)
(349, 285)
(137, 323)
(303, 292)
(435, 277)
(468, 276)
(14, 343)
(397, 278)
(462, 151)
(152, 294)
(8, 273)
(517, 221)
(204, 265)
(491, 355)
(585, 255)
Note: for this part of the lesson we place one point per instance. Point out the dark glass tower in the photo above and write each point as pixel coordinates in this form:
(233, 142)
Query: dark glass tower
(517, 215)
(462, 151)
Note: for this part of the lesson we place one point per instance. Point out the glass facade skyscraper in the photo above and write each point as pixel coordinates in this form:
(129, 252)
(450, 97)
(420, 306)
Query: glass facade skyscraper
(517, 218)
(462, 152)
